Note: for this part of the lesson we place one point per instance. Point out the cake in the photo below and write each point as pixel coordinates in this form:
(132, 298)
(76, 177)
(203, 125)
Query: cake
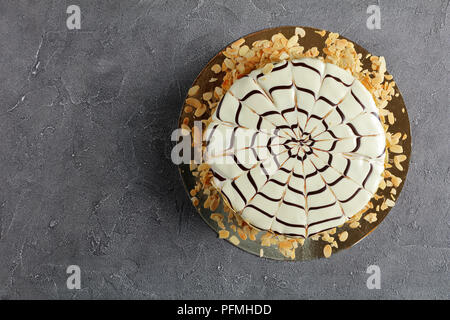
(297, 149)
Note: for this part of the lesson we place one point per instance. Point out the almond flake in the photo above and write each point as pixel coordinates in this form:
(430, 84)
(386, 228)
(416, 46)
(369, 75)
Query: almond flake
(343, 236)
(193, 91)
(267, 68)
(224, 234)
(194, 102)
(216, 68)
(243, 50)
(300, 31)
(234, 240)
(200, 111)
(327, 251)
(390, 203)
(207, 96)
(396, 148)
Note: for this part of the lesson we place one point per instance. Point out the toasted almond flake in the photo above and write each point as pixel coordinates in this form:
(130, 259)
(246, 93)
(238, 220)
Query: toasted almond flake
(327, 251)
(391, 118)
(207, 96)
(250, 54)
(242, 234)
(243, 50)
(193, 91)
(354, 225)
(200, 111)
(397, 161)
(195, 201)
(188, 109)
(284, 56)
(224, 234)
(194, 102)
(382, 185)
(193, 192)
(234, 240)
(321, 33)
(396, 148)
(238, 43)
(343, 236)
(315, 237)
(185, 130)
(267, 68)
(390, 203)
(292, 41)
(300, 31)
(229, 63)
(285, 244)
(216, 68)
(218, 92)
(396, 181)
(371, 217)
(214, 204)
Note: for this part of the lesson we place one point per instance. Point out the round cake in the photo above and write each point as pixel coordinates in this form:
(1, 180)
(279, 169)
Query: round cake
(296, 148)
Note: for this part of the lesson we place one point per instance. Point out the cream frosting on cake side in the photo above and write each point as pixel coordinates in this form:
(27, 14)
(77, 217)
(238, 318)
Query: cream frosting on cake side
(298, 150)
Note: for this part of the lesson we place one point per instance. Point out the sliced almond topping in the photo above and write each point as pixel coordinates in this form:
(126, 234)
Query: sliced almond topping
(292, 41)
(242, 234)
(234, 240)
(200, 111)
(243, 50)
(207, 96)
(371, 217)
(194, 102)
(238, 43)
(390, 203)
(229, 63)
(343, 236)
(300, 31)
(195, 201)
(193, 91)
(224, 234)
(267, 68)
(354, 225)
(327, 251)
(216, 68)
(321, 33)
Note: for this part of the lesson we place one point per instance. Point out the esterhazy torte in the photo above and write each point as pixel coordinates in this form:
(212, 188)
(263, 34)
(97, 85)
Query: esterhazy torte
(297, 150)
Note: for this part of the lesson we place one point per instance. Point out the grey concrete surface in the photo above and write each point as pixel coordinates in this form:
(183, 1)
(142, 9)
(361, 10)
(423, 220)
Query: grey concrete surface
(85, 171)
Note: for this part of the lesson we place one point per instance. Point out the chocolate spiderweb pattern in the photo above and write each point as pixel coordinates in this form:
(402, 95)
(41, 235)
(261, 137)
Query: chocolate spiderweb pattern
(297, 150)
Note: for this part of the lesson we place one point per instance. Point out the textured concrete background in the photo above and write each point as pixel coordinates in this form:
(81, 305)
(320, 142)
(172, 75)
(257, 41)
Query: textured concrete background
(85, 171)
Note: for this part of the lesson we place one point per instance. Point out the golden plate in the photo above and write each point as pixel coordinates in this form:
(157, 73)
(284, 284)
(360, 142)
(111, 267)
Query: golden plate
(311, 249)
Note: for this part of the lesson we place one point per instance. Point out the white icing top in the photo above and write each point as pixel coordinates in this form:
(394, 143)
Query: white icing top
(299, 150)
